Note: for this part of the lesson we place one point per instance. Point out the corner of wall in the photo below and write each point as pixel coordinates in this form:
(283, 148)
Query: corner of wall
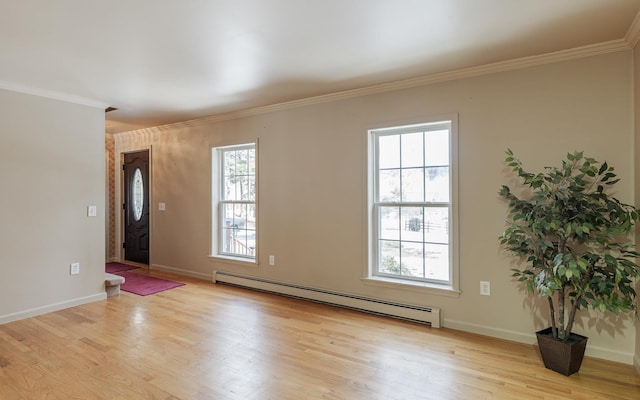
(636, 156)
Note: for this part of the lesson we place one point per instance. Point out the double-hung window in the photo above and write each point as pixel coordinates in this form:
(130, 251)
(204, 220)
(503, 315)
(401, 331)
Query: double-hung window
(234, 201)
(411, 215)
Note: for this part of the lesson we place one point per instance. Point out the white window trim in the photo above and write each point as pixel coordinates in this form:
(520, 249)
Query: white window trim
(214, 190)
(450, 289)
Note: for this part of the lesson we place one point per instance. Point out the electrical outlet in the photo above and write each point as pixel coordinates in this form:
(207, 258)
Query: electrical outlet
(485, 288)
(75, 269)
(272, 260)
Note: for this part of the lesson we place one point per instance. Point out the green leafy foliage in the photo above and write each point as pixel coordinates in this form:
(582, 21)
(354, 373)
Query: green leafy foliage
(570, 237)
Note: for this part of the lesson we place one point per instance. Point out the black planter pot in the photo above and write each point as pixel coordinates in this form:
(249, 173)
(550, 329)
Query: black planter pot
(563, 357)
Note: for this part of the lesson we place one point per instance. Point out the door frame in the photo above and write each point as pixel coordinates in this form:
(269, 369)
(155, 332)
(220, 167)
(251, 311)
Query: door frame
(120, 193)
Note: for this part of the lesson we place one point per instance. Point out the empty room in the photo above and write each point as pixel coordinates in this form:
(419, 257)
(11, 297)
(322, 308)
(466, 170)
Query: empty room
(304, 199)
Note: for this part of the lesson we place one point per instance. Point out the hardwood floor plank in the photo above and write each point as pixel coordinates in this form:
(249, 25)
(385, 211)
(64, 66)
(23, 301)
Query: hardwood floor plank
(208, 341)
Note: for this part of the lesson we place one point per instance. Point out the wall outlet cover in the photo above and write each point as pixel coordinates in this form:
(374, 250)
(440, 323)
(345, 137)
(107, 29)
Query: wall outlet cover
(75, 269)
(485, 288)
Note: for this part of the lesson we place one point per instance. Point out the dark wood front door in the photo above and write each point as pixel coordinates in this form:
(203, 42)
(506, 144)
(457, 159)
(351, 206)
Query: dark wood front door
(136, 207)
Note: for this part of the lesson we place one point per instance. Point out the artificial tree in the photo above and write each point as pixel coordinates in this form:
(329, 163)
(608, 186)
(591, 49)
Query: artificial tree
(571, 239)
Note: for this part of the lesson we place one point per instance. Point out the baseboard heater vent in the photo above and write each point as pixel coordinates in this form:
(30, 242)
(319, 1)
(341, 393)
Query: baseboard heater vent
(425, 315)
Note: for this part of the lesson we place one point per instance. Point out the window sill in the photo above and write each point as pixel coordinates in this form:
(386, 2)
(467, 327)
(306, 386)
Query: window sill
(246, 262)
(420, 287)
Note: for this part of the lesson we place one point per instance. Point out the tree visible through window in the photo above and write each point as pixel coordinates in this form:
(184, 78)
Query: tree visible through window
(236, 194)
(412, 202)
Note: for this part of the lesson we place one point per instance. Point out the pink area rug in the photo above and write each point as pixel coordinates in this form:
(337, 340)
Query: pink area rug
(144, 285)
(114, 267)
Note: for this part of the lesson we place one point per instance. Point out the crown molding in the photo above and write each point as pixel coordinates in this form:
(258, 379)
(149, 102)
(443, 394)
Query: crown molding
(633, 34)
(53, 95)
(503, 66)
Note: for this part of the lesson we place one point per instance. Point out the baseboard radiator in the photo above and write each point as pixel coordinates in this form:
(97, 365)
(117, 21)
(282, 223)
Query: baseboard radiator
(425, 315)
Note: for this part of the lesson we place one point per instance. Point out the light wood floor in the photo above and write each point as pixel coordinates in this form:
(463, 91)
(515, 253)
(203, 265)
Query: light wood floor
(206, 341)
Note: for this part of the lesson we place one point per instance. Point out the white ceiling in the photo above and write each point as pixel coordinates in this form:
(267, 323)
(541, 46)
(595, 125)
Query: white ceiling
(164, 61)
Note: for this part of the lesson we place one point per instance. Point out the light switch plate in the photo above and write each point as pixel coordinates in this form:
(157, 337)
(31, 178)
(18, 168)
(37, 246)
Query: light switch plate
(92, 211)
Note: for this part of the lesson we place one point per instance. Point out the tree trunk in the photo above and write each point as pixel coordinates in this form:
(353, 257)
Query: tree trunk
(552, 312)
(562, 334)
(572, 316)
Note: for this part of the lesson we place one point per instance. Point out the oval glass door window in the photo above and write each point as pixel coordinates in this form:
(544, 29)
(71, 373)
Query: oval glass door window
(138, 194)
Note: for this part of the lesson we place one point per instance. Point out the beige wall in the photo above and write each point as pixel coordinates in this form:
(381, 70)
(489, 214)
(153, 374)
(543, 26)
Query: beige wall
(51, 167)
(313, 184)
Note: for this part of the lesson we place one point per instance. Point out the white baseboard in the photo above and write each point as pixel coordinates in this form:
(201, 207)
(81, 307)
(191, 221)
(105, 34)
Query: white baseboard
(514, 336)
(51, 308)
(636, 361)
(607, 354)
(180, 271)
(592, 351)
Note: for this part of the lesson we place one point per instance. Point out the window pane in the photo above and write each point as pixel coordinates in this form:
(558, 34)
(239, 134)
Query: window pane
(229, 179)
(389, 223)
(243, 161)
(389, 257)
(412, 259)
(413, 220)
(251, 188)
(413, 185)
(437, 261)
(389, 185)
(389, 151)
(437, 184)
(252, 161)
(243, 186)
(436, 147)
(412, 150)
(436, 225)
(229, 158)
(138, 194)
(250, 217)
(245, 242)
(229, 227)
